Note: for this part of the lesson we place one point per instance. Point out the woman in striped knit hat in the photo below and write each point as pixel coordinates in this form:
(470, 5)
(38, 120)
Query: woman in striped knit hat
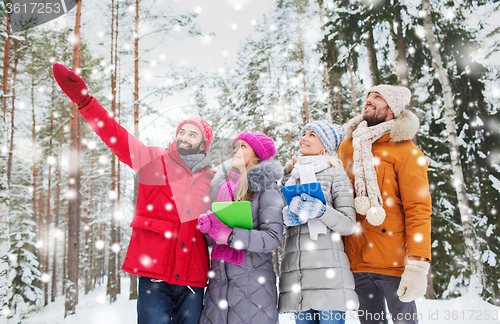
(316, 284)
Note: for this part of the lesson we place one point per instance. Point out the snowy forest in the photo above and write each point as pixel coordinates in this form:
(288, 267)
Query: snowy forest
(66, 202)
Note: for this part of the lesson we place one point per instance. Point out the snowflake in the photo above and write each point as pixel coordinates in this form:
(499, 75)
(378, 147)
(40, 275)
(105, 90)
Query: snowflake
(359, 228)
(389, 202)
(296, 288)
(71, 194)
(223, 304)
(112, 194)
(116, 247)
(103, 159)
(45, 277)
(335, 237)
(99, 244)
(350, 304)
(211, 274)
(330, 273)
(168, 234)
(418, 237)
(311, 246)
(51, 160)
(261, 280)
(238, 245)
(146, 261)
(422, 161)
(118, 214)
(91, 145)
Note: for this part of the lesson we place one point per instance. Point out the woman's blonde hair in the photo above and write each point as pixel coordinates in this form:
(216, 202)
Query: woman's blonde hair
(242, 192)
(334, 160)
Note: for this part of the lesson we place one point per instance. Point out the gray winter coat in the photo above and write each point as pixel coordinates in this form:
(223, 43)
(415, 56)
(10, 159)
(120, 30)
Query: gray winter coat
(249, 289)
(316, 274)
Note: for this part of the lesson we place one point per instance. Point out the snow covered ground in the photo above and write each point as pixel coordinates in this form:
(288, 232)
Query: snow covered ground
(94, 308)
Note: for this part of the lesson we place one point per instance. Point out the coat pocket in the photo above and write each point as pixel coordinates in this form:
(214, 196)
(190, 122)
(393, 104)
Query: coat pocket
(383, 248)
(259, 259)
(150, 244)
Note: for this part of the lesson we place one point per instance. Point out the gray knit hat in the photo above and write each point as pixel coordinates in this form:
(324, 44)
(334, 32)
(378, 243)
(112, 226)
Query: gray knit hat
(397, 97)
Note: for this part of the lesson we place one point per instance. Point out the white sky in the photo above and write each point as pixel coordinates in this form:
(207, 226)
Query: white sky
(229, 20)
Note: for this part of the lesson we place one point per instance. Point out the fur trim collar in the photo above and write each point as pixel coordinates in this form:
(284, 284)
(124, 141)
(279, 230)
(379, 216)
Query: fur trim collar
(258, 177)
(405, 127)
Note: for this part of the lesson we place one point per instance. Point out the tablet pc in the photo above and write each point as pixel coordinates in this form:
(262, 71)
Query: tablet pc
(312, 189)
(234, 213)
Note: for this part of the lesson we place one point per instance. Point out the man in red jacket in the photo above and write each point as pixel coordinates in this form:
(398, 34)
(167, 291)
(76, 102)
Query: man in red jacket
(166, 248)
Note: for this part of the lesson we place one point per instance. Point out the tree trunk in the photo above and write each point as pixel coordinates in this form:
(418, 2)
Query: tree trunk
(88, 230)
(339, 103)
(11, 143)
(118, 182)
(325, 66)
(306, 104)
(396, 29)
(353, 90)
(57, 209)
(430, 293)
(372, 54)
(133, 278)
(48, 217)
(472, 253)
(111, 287)
(73, 188)
(38, 231)
(6, 54)
(496, 291)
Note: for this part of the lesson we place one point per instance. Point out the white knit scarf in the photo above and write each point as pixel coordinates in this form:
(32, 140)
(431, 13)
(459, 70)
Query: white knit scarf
(368, 199)
(305, 170)
(306, 167)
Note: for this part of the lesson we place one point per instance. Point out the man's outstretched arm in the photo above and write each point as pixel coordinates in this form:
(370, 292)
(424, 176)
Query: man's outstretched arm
(127, 148)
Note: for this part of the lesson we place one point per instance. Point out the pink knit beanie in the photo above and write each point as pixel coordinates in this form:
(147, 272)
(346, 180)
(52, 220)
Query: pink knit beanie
(262, 144)
(205, 128)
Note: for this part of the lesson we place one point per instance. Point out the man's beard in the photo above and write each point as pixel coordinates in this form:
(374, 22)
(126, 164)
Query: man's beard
(190, 150)
(375, 119)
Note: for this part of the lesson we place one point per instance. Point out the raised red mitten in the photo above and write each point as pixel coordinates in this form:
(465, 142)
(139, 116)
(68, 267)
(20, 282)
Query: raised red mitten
(71, 84)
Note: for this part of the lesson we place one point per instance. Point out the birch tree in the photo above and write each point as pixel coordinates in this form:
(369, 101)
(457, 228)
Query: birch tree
(74, 184)
(472, 254)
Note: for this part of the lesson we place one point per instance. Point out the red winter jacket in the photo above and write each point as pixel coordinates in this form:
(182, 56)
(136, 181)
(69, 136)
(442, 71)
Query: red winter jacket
(166, 243)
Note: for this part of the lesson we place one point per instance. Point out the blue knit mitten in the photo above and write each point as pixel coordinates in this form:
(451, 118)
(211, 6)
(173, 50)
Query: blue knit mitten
(307, 206)
(291, 219)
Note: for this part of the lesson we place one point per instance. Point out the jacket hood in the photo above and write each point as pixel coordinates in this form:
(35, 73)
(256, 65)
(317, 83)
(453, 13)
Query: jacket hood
(258, 177)
(405, 127)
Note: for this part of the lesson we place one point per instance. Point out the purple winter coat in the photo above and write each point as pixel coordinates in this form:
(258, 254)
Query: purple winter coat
(249, 290)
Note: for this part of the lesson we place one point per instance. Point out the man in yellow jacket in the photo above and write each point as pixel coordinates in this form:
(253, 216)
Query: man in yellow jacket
(389, 252)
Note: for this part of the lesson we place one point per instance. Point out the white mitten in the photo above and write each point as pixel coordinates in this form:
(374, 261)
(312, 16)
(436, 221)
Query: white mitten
(413, 281)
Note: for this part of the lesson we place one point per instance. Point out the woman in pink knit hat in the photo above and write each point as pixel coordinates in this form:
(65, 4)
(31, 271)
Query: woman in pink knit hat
(242, 284)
